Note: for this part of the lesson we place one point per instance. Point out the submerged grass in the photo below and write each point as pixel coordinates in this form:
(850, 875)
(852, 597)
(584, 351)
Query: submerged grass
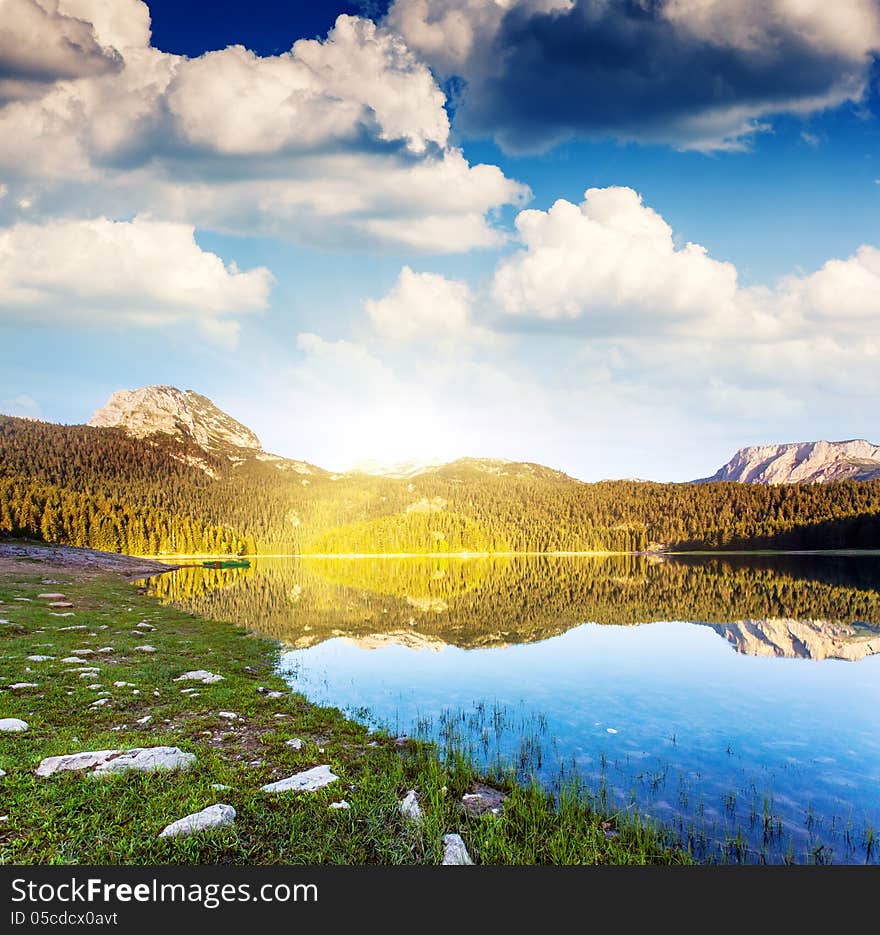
(74, 819)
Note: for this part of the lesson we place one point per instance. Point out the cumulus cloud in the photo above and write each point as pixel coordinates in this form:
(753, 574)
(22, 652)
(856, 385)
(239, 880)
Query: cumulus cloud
(42, 42)
(139, 273)
(696, 74)
(613, 265)
(611, 260)
(429, 310)
(338, 139)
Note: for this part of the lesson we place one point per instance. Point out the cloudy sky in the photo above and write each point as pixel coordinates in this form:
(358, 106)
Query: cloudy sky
(620, 237)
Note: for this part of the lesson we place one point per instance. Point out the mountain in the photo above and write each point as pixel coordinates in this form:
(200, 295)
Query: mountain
(803, 463)
(160, 470)
(182, 414)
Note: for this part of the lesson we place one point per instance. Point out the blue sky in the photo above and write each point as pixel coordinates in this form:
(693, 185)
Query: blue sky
(378, 244)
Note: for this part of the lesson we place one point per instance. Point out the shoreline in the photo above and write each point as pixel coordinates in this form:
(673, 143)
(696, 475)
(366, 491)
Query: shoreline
(239, 729)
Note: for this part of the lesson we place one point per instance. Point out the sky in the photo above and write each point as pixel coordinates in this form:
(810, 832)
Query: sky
(620, 237)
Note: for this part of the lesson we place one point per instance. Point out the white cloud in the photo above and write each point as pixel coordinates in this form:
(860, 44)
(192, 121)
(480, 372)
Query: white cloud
(428, 310)
(340, 140)
(40, 43)
(140, 273)
(613, 260)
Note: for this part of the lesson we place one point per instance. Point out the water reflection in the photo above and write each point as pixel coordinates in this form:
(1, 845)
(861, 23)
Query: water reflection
(806, 606)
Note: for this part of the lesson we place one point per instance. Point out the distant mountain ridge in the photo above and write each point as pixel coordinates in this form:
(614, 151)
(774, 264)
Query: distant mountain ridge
(802, 463)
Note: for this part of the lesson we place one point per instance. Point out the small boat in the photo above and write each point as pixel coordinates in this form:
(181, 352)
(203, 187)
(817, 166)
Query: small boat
(226, 563)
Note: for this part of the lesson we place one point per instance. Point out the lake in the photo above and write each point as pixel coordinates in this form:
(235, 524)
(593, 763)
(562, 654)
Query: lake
(732, 699)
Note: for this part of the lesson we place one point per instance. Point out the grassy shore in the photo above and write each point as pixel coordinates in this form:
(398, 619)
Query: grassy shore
(76, 819)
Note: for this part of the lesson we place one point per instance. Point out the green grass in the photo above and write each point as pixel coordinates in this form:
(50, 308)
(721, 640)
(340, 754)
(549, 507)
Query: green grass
(75, 819)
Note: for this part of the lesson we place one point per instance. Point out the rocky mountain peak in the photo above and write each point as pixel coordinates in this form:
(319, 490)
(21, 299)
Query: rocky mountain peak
(182, 414)
(802, 462)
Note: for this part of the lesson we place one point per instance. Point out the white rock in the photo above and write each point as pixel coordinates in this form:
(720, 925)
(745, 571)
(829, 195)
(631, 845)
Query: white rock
(340, 804)
(456, 853)
(39, 658)
(145, 649)
(105, 649)
(410, 807)
(52, 597)
(82, 652)
(276, 694)
(99, 703)
(61, 604)
(24, 685)
(12, 725)
(296, 743)
(102, 762)
(95, 686)
(200, 675)
(2, 773)
(229, 715)
(308, 781)
(220, 787)
(124, 685)
(144, 720)
(214, 816)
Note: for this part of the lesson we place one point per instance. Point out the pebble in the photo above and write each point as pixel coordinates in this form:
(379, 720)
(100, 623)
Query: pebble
(39, 658)
(296, 743)
(13, 725)
(229, 715)
(307, 781)
(455, 854)
(24, 685)
(200, 675)
(52, 597)
(410, 808)
(214, 816)
(145, 649)
(340, 804)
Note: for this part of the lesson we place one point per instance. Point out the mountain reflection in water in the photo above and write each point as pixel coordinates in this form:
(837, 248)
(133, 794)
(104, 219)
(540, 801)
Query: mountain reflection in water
(805, 606)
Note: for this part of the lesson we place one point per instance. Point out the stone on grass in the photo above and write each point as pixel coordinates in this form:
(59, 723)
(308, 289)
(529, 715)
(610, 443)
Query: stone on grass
(214, 816)
(200, 675)
(82, 652)
(124, 685)
(105, 649)
(2, 773)
(229, 715)
(276, 694)
(12, 725)
(145, 649)
(24, 685)
(308, 781)
(100, 703)
(220, 787)
(410, 808)
(296, 743)
(71, 659)
(61, 604)
(144, 720)
(455, 853)
(39, 658)
(482, 800)
(52, 597)
(69, 613)
(340, 804)
(103, 762)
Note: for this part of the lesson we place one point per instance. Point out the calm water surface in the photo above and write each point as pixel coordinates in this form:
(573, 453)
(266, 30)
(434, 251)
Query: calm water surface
(733, 699)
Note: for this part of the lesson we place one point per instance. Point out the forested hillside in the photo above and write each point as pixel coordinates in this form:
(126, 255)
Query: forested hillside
(100, 488)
